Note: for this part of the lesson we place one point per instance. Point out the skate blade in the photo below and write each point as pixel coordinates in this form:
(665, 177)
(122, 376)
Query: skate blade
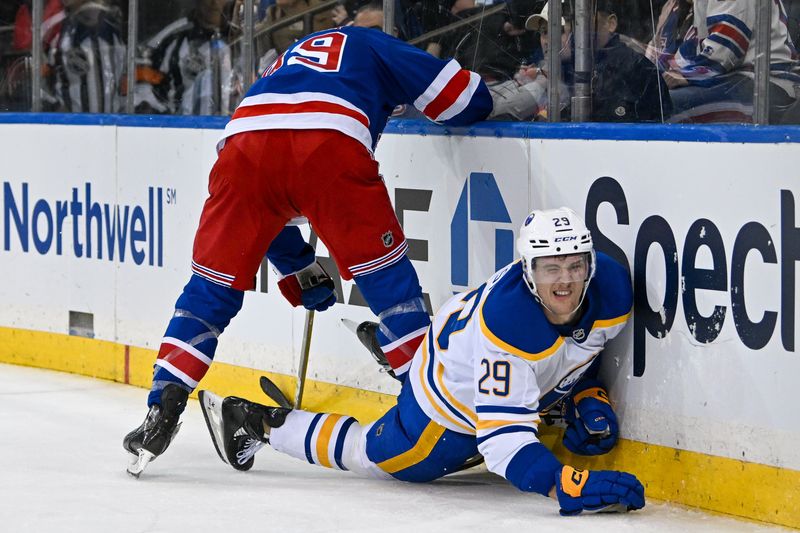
(211, 405)
(139, 462)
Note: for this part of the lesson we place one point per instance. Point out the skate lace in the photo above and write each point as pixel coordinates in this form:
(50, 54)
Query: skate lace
(251, 446)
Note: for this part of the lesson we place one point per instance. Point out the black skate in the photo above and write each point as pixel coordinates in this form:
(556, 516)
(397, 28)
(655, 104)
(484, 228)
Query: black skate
(160, 426)
(237, 426)
(367, 333)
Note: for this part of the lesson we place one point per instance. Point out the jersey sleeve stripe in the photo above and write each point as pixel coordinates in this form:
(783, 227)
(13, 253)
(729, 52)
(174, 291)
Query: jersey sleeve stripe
(507, 430)
(516, 351)
(483, 425)
(504, 409)
(422, 449)
(449, 95)
(437, 85)
(463, 99)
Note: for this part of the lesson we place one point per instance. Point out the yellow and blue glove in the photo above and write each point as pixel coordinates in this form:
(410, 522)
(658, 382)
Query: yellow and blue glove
(592, 427)
(597, 491)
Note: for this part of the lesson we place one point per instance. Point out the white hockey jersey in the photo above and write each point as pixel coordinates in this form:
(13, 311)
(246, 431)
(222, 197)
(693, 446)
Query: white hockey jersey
(722, 40)
(491, 362)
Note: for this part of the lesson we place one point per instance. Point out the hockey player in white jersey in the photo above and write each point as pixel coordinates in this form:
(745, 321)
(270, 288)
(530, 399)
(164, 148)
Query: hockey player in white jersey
(494, 361)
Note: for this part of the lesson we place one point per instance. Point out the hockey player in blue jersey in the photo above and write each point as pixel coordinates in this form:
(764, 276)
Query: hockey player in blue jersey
(301, 144)
(493, 363)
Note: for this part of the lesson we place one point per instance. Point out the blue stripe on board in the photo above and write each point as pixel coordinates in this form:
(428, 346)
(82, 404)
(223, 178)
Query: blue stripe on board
(715, 133)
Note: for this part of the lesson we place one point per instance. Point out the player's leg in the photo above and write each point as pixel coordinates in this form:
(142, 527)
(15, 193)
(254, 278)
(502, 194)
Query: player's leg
(351, 212)
(239, 219)
(403, 444)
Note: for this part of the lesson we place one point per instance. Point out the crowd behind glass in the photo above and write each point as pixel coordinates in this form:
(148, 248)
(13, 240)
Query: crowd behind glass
(658, 61)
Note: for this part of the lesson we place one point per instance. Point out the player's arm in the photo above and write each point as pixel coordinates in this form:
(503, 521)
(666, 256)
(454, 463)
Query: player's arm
(439, 88)
(507, 433)
(303, 280)
(730, 35)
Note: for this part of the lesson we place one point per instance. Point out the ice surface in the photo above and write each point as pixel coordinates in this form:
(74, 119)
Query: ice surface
(62, 469)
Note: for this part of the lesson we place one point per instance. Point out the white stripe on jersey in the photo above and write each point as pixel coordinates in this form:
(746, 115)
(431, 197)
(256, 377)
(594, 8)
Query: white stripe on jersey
(299, 98)
(300, 121)
(439, 82)
(463, 99)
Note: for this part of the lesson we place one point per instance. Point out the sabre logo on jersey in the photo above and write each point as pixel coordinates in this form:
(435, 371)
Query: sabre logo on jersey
(752, 249)
(91, 229)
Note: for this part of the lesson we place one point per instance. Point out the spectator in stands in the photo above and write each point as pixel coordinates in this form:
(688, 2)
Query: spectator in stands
(488, 46)
(88, 62)
(626, 87)
(187, 68)
(280, 39)
(711, 75)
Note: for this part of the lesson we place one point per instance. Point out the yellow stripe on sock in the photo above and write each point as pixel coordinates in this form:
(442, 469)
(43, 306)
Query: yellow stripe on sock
(418, 453)
(324, 439)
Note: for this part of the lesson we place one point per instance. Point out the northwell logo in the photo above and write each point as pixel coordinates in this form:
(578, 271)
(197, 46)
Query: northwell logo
(91, 229)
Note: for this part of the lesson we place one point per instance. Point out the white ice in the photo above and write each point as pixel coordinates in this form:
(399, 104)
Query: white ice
(62, 469)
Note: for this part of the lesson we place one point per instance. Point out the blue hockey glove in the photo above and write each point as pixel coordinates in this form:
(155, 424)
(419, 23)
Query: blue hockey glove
(310, 287)
(598, 491)
(592, 427)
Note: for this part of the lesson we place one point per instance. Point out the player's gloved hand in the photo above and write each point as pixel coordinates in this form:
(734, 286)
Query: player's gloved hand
(310, 287)
(597, 491)
(592, 427)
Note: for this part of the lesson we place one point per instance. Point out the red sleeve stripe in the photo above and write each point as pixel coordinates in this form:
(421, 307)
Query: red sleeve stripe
(448, 96)
(304, 107)
(733, 34)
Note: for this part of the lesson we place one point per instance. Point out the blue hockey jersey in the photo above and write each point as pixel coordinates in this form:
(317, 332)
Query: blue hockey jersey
(350, 79)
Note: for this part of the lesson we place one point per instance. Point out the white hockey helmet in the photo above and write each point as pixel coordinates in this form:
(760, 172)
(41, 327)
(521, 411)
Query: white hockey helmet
(553, 232)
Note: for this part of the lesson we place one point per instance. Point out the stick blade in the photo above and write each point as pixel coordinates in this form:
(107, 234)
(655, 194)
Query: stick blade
(275, 394)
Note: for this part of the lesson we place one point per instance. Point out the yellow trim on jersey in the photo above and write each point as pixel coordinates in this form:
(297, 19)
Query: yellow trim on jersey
(517, 351)
(469, 413)
(611, 321)
(429, 394)
(422, 449)
(492, 424)
(324, 439)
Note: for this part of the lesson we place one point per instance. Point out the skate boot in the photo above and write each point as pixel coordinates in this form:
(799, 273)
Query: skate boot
(160, 426)
(237, 426)
(367, 333)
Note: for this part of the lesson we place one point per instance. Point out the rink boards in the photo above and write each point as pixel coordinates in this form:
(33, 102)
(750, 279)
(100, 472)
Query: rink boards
(98, 218)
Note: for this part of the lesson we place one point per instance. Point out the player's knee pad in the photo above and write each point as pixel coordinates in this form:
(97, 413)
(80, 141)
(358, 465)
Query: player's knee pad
(330, 440)
(202, 312)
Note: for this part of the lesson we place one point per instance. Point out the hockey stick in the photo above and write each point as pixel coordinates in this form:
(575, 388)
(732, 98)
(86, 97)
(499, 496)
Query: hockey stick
(302, 366)
(275, 394)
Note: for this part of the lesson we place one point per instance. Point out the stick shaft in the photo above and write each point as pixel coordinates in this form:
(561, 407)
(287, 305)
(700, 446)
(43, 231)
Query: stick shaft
(302, 367)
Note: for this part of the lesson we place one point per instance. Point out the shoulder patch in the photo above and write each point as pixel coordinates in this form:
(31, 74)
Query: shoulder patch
(513, 321)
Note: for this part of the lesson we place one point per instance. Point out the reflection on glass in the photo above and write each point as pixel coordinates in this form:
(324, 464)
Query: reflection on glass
(709, 66)
(188, 66)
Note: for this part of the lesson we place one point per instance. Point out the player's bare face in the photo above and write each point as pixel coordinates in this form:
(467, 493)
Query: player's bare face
(559, 283)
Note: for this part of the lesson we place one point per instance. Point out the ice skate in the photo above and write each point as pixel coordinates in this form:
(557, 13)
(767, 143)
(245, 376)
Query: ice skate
(160, 426)
(367, 334)
(237, 426)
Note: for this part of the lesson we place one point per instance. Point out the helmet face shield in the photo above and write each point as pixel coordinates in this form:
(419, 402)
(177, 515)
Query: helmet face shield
(561, 269)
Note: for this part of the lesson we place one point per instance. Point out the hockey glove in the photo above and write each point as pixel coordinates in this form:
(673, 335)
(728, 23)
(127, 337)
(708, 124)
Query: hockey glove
(598, 491)
(592, 427)
(310, 287)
